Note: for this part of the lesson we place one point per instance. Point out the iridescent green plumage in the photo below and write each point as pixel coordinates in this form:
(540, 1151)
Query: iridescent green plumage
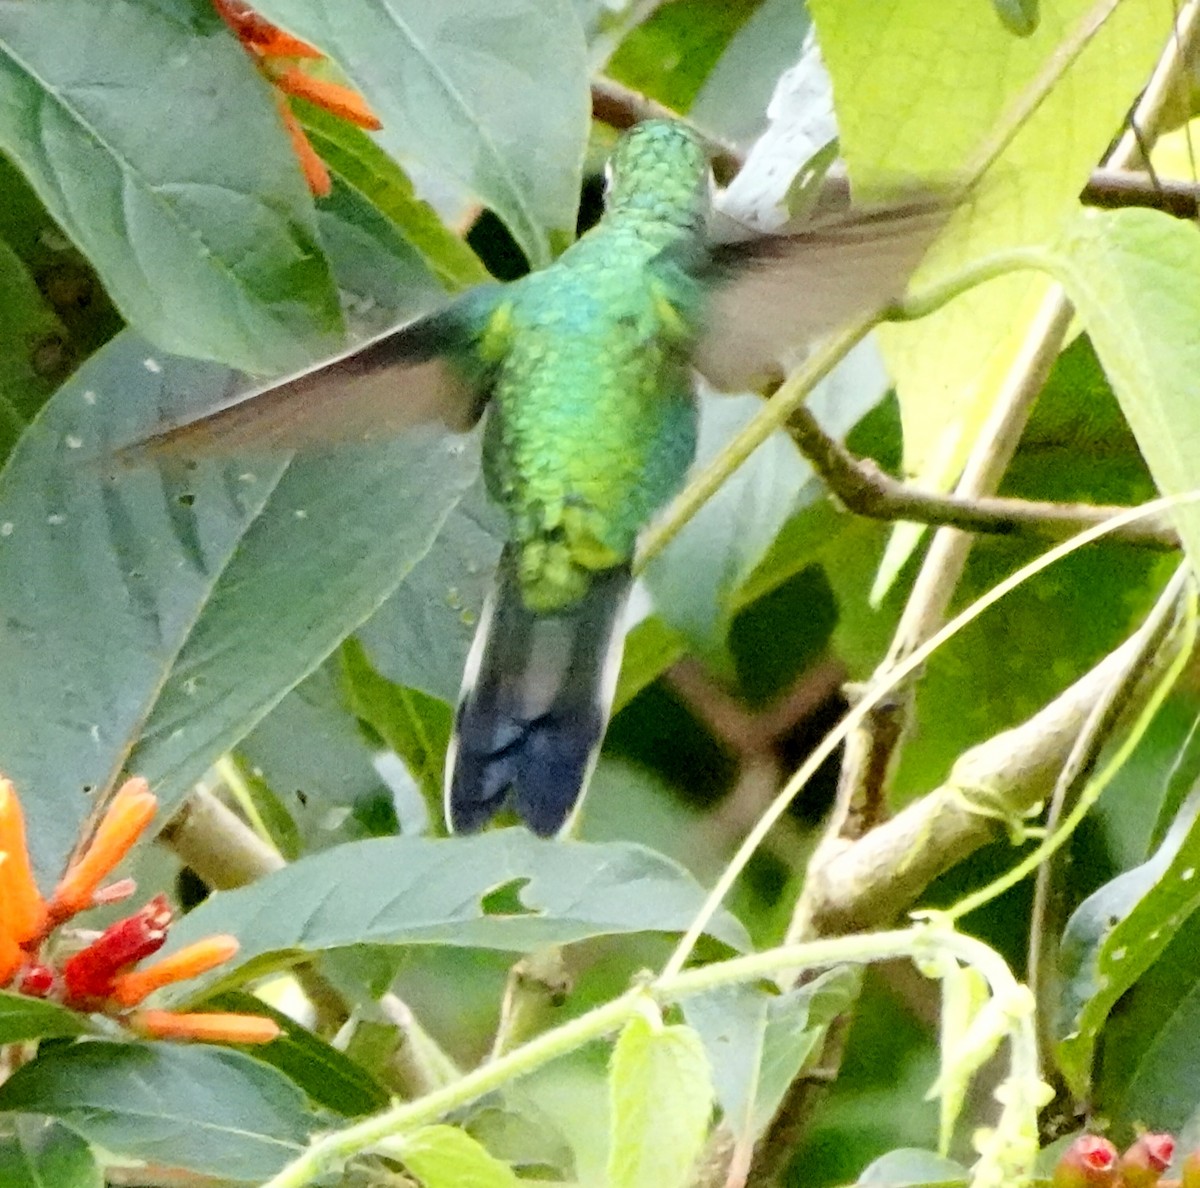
(592, 425)
(588, 368)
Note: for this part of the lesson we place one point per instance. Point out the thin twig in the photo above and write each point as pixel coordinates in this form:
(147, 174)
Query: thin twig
(866, 490)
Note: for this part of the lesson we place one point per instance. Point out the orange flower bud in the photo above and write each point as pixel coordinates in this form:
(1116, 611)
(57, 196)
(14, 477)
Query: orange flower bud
(130, 988)
(218, 1027)
(315, 173)
(21, 907)
(258, 34)
(339, 100)
(1189, 1173)
(126, 819)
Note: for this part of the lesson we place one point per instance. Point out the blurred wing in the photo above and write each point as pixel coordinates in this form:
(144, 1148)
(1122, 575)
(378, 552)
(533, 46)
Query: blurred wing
(421, 372)
(776, 293)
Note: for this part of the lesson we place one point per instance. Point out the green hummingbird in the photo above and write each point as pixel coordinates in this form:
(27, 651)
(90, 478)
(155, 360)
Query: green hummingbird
(586, 371)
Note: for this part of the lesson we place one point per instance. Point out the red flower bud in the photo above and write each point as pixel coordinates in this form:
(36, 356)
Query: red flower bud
(36, 980)
(1089, 1162)
(89, 974)
(1146, 1160)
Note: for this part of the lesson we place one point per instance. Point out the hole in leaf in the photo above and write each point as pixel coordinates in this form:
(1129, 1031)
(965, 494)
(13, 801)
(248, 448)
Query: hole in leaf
(505, 900)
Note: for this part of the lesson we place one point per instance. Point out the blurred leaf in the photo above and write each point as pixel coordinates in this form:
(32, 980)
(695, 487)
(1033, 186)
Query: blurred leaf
(174, 609)
(732, 99)
(1119, 269)
(206, 238)
(651, 647)
(491, 95)
(42, 1153)
(695, 578)
(1019, 16)
(209, 1110)
(415, 725)
(661, 1094)
(500, 890)
(668, 56)
(23, 1018)
(1116, 934)
(758, 1042)
(446, 1157)
(949, 366)
(912, 1168)
(34, 350)
(354, 158)
(329, 1077)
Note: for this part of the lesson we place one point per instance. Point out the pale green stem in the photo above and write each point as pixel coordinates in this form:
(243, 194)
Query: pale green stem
(1091, 792)
(878, 690)
(918, 943)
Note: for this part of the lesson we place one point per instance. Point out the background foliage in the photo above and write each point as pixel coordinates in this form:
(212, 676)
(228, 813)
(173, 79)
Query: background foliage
(301, 621)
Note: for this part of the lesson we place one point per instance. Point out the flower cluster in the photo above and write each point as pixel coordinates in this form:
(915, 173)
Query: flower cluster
(1093, 1162)
(278, 55)
(102, 976)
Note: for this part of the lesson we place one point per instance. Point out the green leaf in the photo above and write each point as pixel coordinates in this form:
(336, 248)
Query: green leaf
(178, 607)
(413, 724)
(156, 146)
(446, 1157)
(501, 890)
(491, 96)
(208, 1110)
(34, 350)
(329, 1077)
(758, 1042)
(1134, 279)
(358, 162)
(23, 1018)
(695, 579)
(949, 366)
(42, 1153)
(1115, 935)
(909, 1167)
(661, 1093)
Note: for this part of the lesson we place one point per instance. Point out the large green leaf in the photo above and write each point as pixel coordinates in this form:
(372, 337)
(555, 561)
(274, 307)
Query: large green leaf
(900, 121)
(42, 1153)
(154, 618)
(208, 1110)
(491, 94)
(661, 1093)
(152, 141)
(502, 890)
(1134, 278)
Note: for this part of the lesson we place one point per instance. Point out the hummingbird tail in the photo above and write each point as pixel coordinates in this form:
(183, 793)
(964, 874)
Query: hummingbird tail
(535, 701)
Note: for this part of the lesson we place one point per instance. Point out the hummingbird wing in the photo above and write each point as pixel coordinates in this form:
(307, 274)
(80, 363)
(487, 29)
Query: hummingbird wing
(775, 293)
(423, 371)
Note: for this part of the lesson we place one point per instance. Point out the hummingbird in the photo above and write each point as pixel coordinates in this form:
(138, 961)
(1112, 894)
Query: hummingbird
(585, 371)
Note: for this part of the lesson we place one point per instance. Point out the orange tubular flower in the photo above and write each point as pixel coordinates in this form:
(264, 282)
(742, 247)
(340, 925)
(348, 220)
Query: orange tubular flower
(130, 988)
(276, 50)
(339, 100)
(12, 957)
(21, 906)
(127, 817)
(218, 1027)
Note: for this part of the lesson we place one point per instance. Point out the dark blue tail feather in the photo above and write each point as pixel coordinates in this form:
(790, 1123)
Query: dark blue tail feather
(535, 703)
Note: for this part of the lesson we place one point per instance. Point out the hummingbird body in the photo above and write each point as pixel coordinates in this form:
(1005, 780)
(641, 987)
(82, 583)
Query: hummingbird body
(592, 428)
(588, 369)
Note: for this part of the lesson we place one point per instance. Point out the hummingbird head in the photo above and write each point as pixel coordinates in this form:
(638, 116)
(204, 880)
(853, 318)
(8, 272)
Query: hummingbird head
(659, 174)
